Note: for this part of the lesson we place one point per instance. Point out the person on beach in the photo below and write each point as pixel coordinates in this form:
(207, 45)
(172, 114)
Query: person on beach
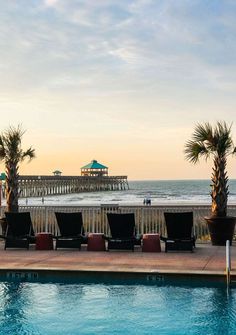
(147, 200)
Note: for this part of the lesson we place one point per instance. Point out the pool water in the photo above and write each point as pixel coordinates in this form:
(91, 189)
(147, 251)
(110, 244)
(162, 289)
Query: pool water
(56, 309)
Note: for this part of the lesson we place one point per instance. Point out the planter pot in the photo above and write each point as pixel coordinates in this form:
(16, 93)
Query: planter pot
(221, 229)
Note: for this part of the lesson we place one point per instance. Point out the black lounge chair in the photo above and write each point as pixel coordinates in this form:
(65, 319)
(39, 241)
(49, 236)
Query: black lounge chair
(19, 231)
(71, 230)
(123, 232)
(179, 231)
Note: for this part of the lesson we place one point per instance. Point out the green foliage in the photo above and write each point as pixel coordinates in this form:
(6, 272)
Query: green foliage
(12, 154)
(215, 142)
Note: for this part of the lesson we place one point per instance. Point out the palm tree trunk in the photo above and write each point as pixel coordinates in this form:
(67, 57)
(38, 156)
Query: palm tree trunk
(12, 188)
(219, 193)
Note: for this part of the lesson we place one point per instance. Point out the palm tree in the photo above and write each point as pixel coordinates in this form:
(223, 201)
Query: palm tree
(12, 154)
(216, 142)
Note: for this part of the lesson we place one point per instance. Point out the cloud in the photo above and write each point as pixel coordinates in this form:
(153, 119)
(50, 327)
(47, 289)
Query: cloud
(50, 3)
(143, 42)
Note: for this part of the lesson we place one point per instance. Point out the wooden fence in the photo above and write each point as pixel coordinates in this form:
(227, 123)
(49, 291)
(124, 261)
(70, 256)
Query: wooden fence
(149, 219)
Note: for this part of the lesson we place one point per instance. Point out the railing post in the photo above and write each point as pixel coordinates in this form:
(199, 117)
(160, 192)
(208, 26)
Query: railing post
(228, 262)
(46, 219)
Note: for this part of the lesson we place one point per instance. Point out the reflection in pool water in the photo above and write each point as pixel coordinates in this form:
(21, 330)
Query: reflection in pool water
(48, 309)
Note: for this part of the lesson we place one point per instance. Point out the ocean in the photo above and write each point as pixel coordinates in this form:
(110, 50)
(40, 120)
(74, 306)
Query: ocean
(161, 192)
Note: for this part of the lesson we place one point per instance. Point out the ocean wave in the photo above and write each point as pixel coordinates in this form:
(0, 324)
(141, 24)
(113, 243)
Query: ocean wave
(160, 192)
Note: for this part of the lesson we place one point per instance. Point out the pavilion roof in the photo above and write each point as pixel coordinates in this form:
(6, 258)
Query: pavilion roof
(94, 165)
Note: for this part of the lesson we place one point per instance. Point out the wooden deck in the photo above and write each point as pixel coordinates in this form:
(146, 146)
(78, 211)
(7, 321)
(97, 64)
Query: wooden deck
(207, 260)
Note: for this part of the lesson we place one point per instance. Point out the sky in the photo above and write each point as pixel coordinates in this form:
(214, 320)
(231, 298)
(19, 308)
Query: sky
(120, 81)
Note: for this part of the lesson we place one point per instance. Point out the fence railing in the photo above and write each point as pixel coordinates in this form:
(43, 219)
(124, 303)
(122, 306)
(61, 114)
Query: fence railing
(149, 219)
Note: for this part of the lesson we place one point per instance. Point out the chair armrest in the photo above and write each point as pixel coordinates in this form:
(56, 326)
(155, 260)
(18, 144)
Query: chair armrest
(84, 238)
(69, 237)
(106, 237)
(163, 238)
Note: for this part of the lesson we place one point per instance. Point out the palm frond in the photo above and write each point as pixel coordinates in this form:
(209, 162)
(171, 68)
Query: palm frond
(203, 132)
(2, 149)
(29, 153)
(223, 135)
(194, 150)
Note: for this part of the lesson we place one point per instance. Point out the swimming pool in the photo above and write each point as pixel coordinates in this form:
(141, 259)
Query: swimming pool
(57, 308)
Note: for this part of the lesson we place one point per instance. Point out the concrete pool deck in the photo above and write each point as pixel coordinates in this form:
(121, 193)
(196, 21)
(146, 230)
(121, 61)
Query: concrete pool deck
(207, 260)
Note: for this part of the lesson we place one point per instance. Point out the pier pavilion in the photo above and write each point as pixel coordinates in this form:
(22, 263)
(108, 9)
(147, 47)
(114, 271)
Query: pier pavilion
(94, 169)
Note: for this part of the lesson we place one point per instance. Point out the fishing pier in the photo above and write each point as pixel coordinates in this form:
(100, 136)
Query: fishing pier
(94, 177)
(40, 186)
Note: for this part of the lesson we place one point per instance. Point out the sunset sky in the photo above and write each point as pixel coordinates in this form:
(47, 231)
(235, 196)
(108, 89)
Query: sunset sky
(120, 81)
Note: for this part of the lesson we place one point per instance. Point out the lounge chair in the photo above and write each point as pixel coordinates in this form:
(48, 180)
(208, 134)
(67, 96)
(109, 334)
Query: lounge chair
(179, 231)
(123, 233)
(19, 231)
(71, 230)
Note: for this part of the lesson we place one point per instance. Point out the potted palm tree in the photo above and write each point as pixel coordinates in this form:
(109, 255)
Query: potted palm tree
(12, 155)
(215, 142)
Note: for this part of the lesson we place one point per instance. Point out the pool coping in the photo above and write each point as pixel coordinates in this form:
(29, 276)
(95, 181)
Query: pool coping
(120, 277)
(207, 263)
